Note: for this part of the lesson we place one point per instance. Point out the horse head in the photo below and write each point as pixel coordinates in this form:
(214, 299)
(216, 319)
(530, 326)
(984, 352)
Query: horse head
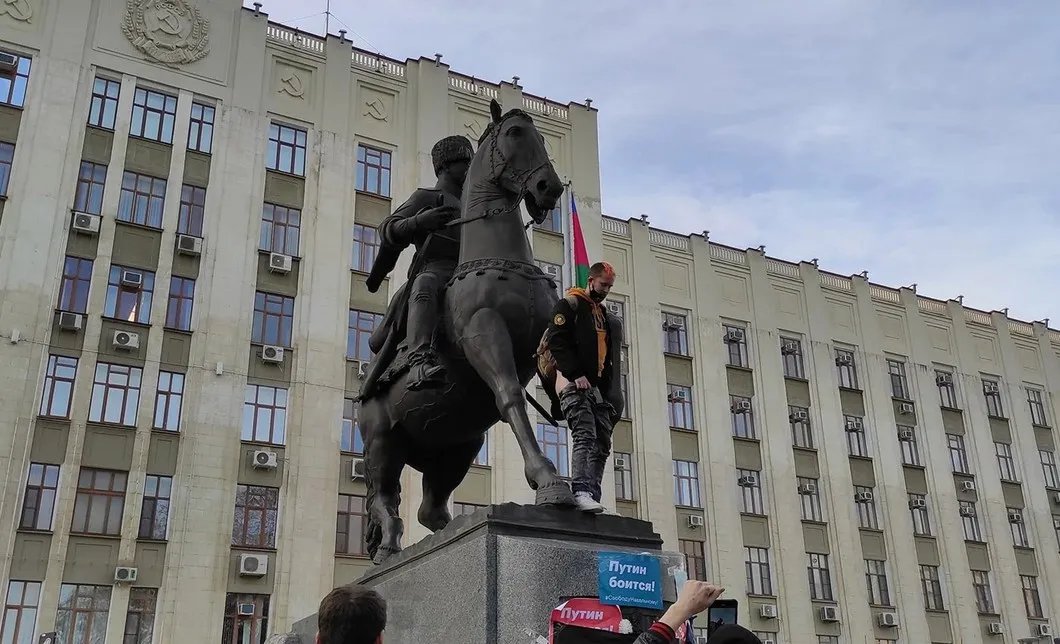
(519, 163)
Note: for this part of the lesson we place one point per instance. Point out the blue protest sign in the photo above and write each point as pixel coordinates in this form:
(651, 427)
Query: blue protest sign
(630, 580)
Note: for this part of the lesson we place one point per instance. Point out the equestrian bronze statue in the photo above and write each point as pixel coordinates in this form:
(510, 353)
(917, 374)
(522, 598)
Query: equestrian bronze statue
(441, 381)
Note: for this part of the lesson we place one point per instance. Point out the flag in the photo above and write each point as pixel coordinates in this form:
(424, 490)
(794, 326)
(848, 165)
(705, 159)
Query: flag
(581, 256)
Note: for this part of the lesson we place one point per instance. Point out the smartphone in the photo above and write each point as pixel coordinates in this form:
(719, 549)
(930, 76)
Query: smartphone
(722, 611)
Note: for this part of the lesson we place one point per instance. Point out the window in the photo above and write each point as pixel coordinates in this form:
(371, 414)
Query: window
(984, 596)
(623, 383)
(992, 393)
(153, 115)
(245, 629)
(675, 334)
(799, 418)
(554, 273)
(947, 390)
(695, 561)
(679, 402)
(38, 505)
(1005, 464)
(921, 517)
(1056, 529)
(140, 618)
(483, 456)
(1018, 528)
(20, 612)
(970, 520)
(876, 578)
(932, 587)
(129, 295)
(273, 319)
(465, 508)
(181, 302)
(958, 454)
(865, 502)
(286, 150)
(154, 518)
(104, 103)
(736, 345)
(820, 577)
(82, 615)
(365, 247)
(141, 199)
(373, 171)
(762, 635)
(115, 394)
(13, 87)
(192, 210)
(168, 401)
(855, 431)
(264, 415)
(200, 133)
(756, 563)
(555, 443)
(58, 386)
(686, 484)
(1031, 597)
(280, 227)
(100, 502)
(352, 520)
(827, 639)
(749, 483)
(76, 280)
(7, 157)
(847, 369)
(624, 476)
(743, 423)
(1034, 401)
(791, 354)
(361, 326)
(899, 385)
(553, 221)
(1049, 468)
(88, 197)
(810, 497)
(351, 440)
(255, 517)
(910, 449)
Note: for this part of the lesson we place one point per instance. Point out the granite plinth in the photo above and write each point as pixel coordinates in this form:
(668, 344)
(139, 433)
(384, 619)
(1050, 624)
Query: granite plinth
(495, 575)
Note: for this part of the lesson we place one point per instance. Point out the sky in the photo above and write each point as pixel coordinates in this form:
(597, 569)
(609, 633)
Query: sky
(918, 141)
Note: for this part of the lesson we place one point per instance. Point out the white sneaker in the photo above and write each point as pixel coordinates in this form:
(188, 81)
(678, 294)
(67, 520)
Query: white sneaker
(585, 503)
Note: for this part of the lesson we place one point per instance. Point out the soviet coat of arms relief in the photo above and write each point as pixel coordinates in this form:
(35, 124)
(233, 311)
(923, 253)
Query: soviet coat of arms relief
(171, 32)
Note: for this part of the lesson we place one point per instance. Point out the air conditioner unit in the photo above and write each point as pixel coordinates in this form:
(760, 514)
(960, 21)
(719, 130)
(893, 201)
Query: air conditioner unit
(253, 566)
(905, 435)
(1056, 498)
(863, 497)
(917, 504)
(789, 348)
(70, 321)
(741, 406)
(358, 469)
(701, 639)
(672, 324)
(678, 394)
(768, 641)
(189, 245)
(967, 486)
(905, 408)
(990, 387)
(48, 638)
(854, 425)
(245, 610)
(734, 335)
(1043, 630)
(1015, 516)
(748, 480)
(844, 360)
(615, 309)
(807, 488)
(125, 574)
(126, 340)
(829, 613)
(280, 263)
(272, 354)
(362, 370)
(944, 379)
(799, 416)
(695, 521)
(132, 279)
(85, 223)
(265, 460)
(621, 464)
(966, 511)
(995, 628)
(887, 620)
(8, 62)
(767, 611)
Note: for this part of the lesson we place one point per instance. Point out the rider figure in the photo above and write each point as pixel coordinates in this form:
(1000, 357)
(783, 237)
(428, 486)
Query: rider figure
(421, 221)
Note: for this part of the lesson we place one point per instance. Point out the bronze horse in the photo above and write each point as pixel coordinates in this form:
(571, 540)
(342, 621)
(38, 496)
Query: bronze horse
(495, 309)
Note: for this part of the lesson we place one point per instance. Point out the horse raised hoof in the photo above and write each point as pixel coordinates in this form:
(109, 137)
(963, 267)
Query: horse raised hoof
(557, 493)
(382, 553)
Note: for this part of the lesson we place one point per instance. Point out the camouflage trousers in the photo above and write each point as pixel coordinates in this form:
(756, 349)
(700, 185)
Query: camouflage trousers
(589, 420)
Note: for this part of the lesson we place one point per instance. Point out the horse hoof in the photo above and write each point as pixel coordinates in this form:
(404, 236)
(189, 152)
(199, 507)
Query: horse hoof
(383, 553)
(557, 493)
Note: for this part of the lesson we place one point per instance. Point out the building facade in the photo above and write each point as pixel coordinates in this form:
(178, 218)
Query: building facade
(189, 212)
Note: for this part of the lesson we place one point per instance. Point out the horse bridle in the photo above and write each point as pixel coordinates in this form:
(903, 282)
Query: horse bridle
(518, 178)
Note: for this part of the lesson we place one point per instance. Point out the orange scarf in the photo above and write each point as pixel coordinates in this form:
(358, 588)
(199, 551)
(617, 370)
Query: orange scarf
(601, 326)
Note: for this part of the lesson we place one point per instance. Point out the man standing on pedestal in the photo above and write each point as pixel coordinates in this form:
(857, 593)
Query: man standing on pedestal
(579, 361)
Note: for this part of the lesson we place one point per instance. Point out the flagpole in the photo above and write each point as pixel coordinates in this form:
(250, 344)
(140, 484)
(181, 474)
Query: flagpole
(572, 270)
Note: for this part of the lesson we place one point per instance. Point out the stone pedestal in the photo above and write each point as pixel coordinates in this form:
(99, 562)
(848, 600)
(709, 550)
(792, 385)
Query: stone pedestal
(495, 575)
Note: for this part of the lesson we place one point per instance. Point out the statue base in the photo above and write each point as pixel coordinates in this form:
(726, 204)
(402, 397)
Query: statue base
(495, 575)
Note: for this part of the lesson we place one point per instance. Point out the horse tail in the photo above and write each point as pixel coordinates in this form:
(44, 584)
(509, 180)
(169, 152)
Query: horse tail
(373, 532)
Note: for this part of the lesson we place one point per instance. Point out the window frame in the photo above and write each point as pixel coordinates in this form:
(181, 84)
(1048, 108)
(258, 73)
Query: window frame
(801, 430)
(984, 593)
(553, 221)
(360, 325)
(75, 285)
(140, 616)
(345, 545)
(857, 442)
(380, 164)
(869, 519)
(758, 571)
(93, 613)
(281, 229)
(103, 108)
(1049, 468)
(141, 199)
(37, 512)
(1006, 464)
(61, 383)
(995, 407)
(819, 575)
(143, 113)
(898, 378)
(283, 156)
(1031, 593)
(265, 506)
(847, 374)
(88, 192)
(910, 449)
(154, 512)
(931, 587)
(811, 507)
(1036, 404)
(257, 407)
(201, 126)
(876, 580)
(192, 213)
(554, 441)
(180, 304)
(973, 530)
(686, 480)
(921, 517)
(624, 486)
(794, 363)
(17, 84)
(350, 436)
(743, 423)
(128, 303)
(680, 411)
(273, 322)
(366, 244)
(234, 628)
(675, 334)
(752, 498)
(947, 391)
(169, 401)
(104, 386)
(21, 609)
(1021, 537)
(695, 558)
(113, 508)
(737, 352)
(958, 450)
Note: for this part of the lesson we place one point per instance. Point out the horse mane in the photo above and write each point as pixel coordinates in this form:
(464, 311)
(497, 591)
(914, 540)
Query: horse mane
(493, 124)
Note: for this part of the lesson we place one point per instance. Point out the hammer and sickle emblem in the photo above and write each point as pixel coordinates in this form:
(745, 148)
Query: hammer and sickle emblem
(168, 22)
(18, 9)
(292, 85)
(375, 110)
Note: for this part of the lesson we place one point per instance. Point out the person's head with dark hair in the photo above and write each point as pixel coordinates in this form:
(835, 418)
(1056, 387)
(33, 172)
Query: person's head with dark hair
(351, 615)
(601, 279)
(733, 634)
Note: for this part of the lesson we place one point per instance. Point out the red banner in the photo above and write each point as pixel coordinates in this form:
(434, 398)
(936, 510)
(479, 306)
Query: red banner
(586, 612)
